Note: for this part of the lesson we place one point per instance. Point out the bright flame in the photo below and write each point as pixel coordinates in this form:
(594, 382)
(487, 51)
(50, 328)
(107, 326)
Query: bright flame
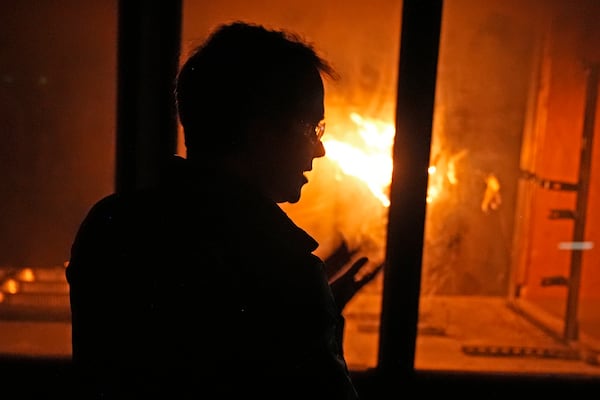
(372, 162)
(368, 157)
(438, 179)
(434, 187)
(491, 197)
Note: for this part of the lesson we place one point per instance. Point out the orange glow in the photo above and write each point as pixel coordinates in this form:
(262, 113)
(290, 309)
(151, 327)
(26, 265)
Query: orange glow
(367, 157)
(491, 197)
(26, 275)
(442, 174)
(10, 286)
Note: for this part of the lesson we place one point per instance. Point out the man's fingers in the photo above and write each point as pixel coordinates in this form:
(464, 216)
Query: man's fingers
(358, 264)
(368, 277)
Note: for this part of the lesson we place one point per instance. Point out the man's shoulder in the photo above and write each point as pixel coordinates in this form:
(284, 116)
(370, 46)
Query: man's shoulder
(128, 203)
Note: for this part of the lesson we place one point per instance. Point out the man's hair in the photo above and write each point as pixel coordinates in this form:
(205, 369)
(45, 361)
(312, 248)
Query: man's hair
(241, 72)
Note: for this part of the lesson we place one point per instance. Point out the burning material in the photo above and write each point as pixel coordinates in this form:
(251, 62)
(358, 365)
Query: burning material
(442, 174)
(491, 197)
(347, 200)
(361, 158)
(368, 157)
(346, 204)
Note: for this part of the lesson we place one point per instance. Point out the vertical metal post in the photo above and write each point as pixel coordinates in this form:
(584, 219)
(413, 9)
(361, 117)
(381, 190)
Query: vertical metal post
(421, 27)
(571, 331)
(149, 39)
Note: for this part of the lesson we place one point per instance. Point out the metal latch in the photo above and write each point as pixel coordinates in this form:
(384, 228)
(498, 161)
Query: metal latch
(562, 214)
(554, 281)
(550, 184)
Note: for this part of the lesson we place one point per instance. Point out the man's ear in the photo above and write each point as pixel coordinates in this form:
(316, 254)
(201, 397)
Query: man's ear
(262, 132)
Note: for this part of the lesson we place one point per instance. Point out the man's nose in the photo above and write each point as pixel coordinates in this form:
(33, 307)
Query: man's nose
(319, 150)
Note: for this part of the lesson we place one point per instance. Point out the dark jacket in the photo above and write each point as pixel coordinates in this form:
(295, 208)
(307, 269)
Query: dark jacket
(201, 284)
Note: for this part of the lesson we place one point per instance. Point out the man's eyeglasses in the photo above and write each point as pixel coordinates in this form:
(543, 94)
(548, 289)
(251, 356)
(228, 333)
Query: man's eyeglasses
(314, 133)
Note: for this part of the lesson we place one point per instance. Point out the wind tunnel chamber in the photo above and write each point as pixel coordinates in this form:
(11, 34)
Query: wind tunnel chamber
(510, 276)
(509, 117)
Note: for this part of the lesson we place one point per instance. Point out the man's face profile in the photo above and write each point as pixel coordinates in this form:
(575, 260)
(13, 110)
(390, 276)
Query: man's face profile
(295, 147)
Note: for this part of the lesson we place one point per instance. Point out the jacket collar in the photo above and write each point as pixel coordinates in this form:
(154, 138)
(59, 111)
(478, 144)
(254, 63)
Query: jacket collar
(244, 204)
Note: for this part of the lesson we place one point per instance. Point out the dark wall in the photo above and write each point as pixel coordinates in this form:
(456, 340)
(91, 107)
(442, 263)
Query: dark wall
(57, 123)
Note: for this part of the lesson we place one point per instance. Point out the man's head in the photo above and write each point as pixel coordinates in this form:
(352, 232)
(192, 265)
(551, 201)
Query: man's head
(255, 95)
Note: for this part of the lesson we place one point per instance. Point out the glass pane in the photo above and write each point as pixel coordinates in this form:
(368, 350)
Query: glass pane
(510, 279)
(344, 206)
(57, 119)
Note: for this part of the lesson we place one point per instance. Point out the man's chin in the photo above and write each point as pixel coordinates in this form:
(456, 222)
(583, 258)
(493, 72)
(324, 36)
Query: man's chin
(294, 200)
(292, 197)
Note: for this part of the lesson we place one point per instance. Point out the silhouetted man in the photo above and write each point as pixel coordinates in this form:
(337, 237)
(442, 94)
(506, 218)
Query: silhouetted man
(202, 286)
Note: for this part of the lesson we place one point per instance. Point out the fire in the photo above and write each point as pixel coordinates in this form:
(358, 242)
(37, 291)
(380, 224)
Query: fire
(367, 157)
(435, 185)
(366, 154)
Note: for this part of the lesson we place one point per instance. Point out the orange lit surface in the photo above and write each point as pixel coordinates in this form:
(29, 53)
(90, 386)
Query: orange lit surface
(469, 319)
(510, 96)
